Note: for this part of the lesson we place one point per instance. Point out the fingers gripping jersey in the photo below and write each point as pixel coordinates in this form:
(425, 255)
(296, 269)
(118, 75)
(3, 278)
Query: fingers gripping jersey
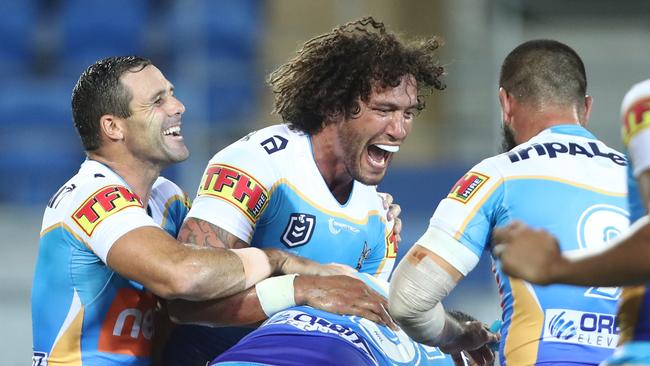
(307, 336)
(267, 190)
(567, 182)
(82, 312)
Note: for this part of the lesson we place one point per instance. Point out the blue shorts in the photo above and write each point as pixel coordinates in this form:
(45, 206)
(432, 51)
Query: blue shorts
(634, 353)
(293, 350)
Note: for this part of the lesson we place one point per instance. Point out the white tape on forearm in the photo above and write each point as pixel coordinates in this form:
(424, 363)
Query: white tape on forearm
(276, 293)
(256, 264)
(414, 299)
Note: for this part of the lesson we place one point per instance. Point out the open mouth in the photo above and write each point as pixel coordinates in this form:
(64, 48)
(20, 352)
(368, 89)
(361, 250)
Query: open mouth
(380, 154)
(173, 131)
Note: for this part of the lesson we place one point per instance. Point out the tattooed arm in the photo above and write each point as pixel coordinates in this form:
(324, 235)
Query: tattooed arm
(330, 293)
(203, 233)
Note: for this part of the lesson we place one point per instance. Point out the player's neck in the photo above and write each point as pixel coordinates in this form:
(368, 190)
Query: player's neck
(540, 120)
(331, 166)
(138, 175)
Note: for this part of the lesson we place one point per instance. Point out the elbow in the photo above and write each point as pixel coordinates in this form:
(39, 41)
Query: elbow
(185, 287)
(408, 304)
(177, 286)
(401, 309)
(180, 280)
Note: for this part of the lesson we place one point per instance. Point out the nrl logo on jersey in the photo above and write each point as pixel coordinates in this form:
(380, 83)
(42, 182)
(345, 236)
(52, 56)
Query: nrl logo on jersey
(299, 229)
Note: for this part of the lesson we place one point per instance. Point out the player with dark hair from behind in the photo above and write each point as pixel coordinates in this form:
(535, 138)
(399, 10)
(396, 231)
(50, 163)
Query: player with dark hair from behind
(534, 256)
(545, 177)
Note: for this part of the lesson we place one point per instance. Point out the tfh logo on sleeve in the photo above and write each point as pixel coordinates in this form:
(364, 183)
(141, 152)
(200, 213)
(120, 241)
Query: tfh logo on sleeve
(102, 204)
(236, 187)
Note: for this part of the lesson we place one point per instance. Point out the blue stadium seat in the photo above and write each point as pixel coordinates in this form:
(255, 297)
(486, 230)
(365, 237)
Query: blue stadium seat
(221, 28)
(218, 40)
(94, 29)
(42, 149)
(17, 36)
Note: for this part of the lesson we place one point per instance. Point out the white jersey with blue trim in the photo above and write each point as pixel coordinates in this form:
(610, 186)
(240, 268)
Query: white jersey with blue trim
(267, 190)
(84, 313)
(574, 186)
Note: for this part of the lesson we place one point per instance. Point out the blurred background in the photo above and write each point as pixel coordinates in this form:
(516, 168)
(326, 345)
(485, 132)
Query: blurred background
(218, 53)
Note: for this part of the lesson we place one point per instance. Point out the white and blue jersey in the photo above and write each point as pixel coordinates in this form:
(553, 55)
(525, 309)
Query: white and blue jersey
(572, 185)
(306, 336)
(267, 190)
(84, 313)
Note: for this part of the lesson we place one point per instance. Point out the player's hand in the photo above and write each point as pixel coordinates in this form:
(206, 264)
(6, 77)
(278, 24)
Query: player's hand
(335, 269)
(343, 295)
(294, 264)
(474, 342)
(394, 210)
(530, 254)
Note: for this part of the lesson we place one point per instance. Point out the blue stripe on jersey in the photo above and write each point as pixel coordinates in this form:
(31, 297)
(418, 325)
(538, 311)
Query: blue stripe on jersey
(49, 322)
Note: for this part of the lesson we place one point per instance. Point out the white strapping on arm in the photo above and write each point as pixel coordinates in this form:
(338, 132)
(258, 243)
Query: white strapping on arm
(449, 249)
(256, 264)
(414, 299)
(276, 293)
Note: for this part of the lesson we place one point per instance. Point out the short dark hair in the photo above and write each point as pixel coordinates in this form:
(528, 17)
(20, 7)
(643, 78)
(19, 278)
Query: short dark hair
(332, 71)
(98, 92)
(544, 71)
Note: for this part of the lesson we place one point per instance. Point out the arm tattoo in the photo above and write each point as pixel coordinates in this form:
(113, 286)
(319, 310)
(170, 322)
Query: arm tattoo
(203, 233)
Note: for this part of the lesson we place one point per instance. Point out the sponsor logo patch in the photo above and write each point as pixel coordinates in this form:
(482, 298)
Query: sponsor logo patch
(236, 187)
(102, 204)
(129, 324)
(467, 186)
(577, 327)
(637, 117)
(299, 229)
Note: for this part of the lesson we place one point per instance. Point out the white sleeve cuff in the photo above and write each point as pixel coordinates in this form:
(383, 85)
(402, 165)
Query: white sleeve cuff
(449, 249)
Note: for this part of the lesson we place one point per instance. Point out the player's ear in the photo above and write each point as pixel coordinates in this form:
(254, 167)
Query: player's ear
(505, 100)
(112, 127)
(584, 118)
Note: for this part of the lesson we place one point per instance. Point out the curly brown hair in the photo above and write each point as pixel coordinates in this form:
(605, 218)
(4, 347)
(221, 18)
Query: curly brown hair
(333, 71)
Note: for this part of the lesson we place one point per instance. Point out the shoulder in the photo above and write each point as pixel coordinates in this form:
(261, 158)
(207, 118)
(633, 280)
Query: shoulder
(261, 155)
(265, 142)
